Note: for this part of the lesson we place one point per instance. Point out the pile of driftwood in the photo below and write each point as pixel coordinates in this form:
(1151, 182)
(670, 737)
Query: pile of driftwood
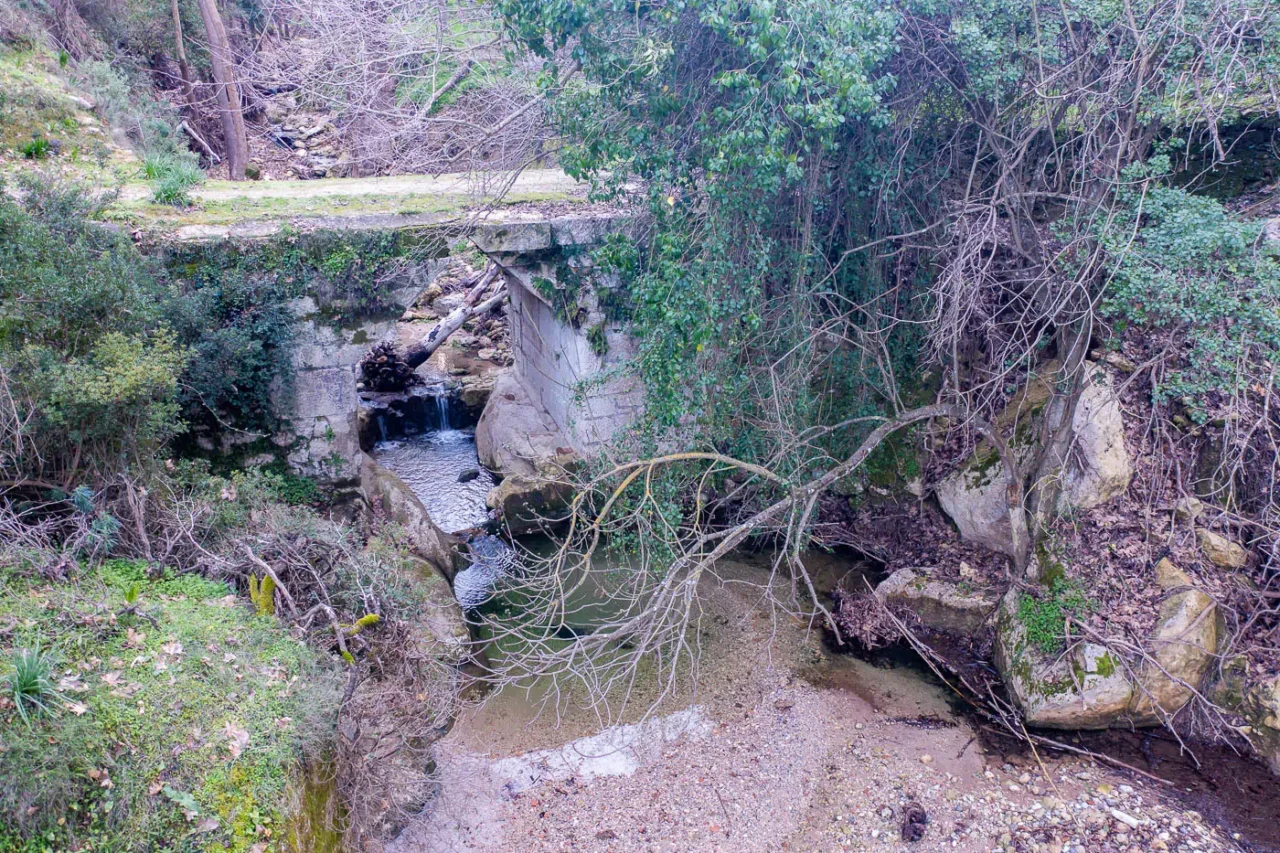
(385, 368)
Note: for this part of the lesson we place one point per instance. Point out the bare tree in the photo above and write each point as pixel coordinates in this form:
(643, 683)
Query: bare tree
(180, 49)
(235, 139)
(416, 87)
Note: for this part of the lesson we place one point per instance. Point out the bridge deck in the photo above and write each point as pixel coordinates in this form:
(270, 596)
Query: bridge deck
(256, 209)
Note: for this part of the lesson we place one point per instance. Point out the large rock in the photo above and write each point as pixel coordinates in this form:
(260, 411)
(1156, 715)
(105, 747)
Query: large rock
(1182, 648)
(441, 629)
(1261, 708)
(945, 606)
(976, 496)
(1091, 688)
(528, 502)
(1084, 690)
(515, 435)
(1221, 551)
(1098, 468)
(517, 439)
(403, 508)
(1093, 468)
(1257, 702)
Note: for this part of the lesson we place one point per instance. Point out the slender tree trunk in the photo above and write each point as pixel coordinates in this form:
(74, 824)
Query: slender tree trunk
(184, 67)
(233, 132)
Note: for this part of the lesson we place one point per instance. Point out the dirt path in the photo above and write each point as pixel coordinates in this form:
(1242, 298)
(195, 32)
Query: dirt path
(463, 185)
(786, 748)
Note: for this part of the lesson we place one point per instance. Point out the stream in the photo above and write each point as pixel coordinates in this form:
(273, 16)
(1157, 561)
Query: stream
(429, 442)
(778, 741)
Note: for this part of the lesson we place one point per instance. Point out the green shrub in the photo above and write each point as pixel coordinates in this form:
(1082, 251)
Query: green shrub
(82, 341)
(240, 331)
(171, 176)
(1185, 266)
(292, 489)
(37, 148)
(29, 685)
(108, 356)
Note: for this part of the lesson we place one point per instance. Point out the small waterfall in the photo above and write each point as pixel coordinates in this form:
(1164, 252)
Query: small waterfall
(426, 438)
(442, 411)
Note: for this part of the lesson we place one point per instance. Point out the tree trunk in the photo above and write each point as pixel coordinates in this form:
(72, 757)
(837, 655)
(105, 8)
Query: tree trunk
(421, 351)
(384, 369)
(184, 67)
(223, 64)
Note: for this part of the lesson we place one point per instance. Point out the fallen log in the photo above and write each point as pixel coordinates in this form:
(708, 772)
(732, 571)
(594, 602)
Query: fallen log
(386, 369)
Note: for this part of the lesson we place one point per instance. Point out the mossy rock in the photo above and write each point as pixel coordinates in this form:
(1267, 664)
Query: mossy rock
(1091, 687)
(1086, 689)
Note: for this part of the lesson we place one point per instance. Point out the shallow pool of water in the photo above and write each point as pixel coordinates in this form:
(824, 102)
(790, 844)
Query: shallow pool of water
(430, 463)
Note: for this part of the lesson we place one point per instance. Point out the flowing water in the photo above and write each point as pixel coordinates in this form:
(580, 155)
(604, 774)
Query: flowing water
(428, 443)
(431, 464)
(486, 762)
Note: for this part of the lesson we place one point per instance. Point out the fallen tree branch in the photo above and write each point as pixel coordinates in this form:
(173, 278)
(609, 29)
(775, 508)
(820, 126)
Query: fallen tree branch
(199, 140)
(385, 369)
(417, 354)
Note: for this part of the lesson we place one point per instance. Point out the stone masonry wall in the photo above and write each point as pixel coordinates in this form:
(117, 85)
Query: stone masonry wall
(552, 360)
(321, 432)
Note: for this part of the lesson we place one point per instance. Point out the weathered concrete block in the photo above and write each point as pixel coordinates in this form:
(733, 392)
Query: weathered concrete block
(325, 392)
(940, 605)
(513, 237)
(572, 231)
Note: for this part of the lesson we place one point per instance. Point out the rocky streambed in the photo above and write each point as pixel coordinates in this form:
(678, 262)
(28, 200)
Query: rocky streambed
(781, 743)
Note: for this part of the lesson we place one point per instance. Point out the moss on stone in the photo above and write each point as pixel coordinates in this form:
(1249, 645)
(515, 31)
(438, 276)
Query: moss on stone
(1106, 666)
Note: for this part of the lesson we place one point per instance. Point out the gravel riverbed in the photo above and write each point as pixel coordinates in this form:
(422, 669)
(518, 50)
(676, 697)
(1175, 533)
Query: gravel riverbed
(789, 748)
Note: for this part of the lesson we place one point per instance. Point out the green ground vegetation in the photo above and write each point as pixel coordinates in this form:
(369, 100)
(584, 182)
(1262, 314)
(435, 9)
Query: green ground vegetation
(175, 718)
(37, 112)
(144, 211)
(1045, 616)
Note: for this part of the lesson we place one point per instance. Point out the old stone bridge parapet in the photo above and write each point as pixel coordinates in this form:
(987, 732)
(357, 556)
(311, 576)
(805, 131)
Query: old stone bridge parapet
(560, 334)
(568, 340)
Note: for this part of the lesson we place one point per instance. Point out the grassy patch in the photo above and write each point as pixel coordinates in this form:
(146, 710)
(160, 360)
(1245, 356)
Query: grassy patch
(178, 723)
(258, 205)
(171, 176)
(38, 118)
(1045, 617)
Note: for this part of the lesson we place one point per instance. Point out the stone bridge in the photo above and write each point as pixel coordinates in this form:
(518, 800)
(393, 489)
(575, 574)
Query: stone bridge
(542, 406)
